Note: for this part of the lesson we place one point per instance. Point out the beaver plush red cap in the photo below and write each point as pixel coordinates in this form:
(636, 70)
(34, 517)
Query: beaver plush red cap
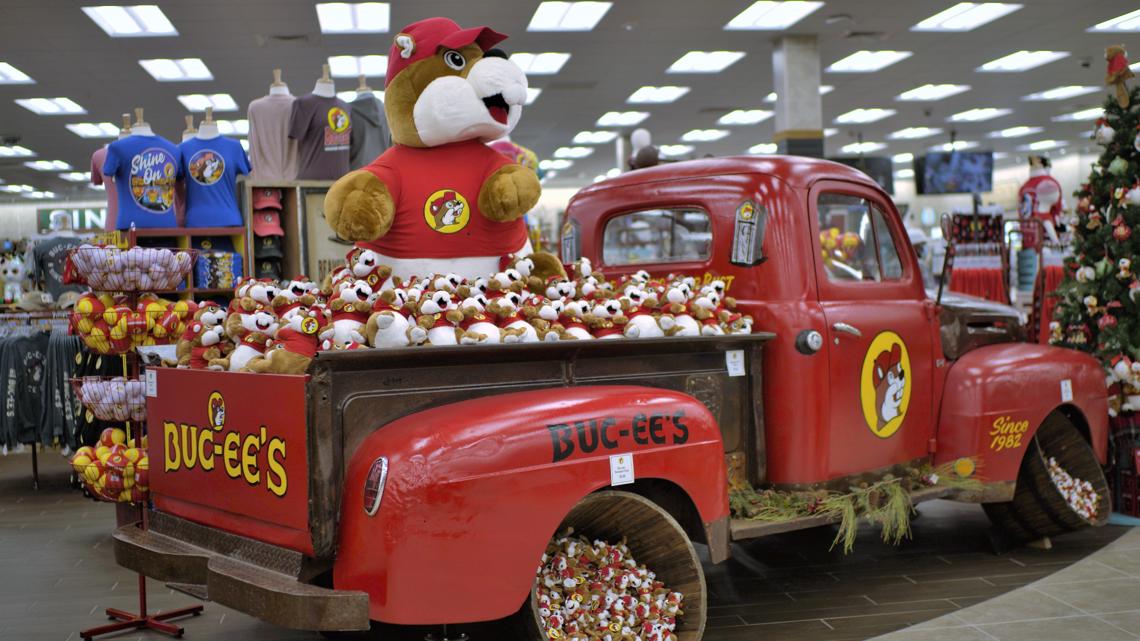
(422, 39)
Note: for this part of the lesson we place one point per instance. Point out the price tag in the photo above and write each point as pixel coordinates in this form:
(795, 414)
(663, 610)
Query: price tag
(1066, 390)
(734, 360)
(151, 383)
(621, 469)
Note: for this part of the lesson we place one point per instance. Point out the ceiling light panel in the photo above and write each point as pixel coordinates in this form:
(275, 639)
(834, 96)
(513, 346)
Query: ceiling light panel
(568, 16)
(823, 91)
(648, 95)
(904, 157)
(829, 132)
(540, 64)
(51, 106)
(966, 16)
(957, 145)
(349, 96)
(904, 173)
(862, 147)
(675, 150)
(244, 144)
(48, 165)
(355, 66)
(1127, 22)
(1041, 145)
(40, 195)
(361, 17)
(705, 61)
(866, 61)
(560, 163)
(1022, 61)
(763, 148)
(177, 70)
(860, 116)
(76, 176)
(198, 102)
(744, 117)
(532, 94)
(914, 133)
(771, 16)
(704, 135)
(15, 151)
(1084, 114)
(930, 93)
(1062, 93)
(594, 137)
(573, 152)
(980, 114)
(1014, 132)
(137, 21)
(622, 118)
(233, 127)
(15, 189)
(10, 75)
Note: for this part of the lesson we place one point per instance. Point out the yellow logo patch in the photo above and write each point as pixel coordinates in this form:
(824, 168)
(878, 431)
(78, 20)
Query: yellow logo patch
(884, 384)
(446, 211)
(338, 120)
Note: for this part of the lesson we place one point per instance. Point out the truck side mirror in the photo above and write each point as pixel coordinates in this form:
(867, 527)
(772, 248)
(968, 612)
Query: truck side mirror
(749, 225)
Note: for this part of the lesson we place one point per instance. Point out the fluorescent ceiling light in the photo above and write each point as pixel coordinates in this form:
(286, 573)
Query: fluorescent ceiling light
(904, 157)
(540, 64)
(622, 118)
(664, 94)
(966, 16)
(573, 152)
(244, 143)
(1084, 114)
(1042, 144)
(349, 96)
(1014, 132)
(914, 133)
(613, 172)
(1127, 22)
(823, 91)
(15, 189)
(704, 61)
(1061, 93)
(532, 94)
(138, 21)
(354, 66)
(76, 176)
(568, 16)
(704, 135)
(40, 195)
(744, 117)
(905, 173)
(233, 127)
(198, 102)
(957, 145)
(865, 61)
(48, 165)
(560, 163)
(1022, 61)
(763, 148)
(344, 17)
(862, 147)
(15, 151)
(771, 16)
(860, 116)
(180, 70)
(599, 178)
(594, 137)
(978, 115)
(51, 106)
(10, 75)
(675, 150)
(829, 132)
(930, 93)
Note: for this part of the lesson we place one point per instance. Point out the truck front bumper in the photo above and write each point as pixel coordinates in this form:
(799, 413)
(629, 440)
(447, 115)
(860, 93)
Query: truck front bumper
(246, 575)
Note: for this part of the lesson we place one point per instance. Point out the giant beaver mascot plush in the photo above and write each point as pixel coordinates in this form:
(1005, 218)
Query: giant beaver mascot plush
(440, 200)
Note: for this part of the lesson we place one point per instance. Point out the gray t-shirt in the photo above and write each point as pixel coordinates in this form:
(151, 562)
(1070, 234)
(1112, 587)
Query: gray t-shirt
(50, 257)
(322, 128)
(369, 138)
(272, 154)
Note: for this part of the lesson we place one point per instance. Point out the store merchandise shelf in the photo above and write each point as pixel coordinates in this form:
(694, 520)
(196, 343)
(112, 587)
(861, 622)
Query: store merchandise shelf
(160, 232)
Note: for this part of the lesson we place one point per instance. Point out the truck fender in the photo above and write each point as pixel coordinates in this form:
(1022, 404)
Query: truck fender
(995, 398)
(475, 490)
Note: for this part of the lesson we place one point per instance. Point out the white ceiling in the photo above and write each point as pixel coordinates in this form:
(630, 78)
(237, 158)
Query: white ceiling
(241, 41)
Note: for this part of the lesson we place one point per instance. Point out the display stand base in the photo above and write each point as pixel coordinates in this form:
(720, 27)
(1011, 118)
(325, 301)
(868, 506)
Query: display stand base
(131, 621)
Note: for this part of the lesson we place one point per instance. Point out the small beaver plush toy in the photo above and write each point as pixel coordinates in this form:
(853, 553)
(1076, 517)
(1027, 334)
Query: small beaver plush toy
(440, 200)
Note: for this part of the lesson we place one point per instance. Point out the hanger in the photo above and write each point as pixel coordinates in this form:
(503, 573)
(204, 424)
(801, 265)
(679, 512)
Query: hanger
(363, 88)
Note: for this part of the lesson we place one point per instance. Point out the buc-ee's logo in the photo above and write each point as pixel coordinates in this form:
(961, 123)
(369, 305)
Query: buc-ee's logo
(884, 384)
(338, 120)
(253, 457)
(446, 211)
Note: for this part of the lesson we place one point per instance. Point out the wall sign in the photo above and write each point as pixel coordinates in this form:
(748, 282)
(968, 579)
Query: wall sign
(85, 219)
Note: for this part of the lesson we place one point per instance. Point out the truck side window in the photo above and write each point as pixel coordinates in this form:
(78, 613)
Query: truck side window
(657, 236)
(854, 240)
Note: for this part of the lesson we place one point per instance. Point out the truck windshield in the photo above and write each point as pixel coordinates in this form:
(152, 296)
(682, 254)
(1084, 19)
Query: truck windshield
(657, 236)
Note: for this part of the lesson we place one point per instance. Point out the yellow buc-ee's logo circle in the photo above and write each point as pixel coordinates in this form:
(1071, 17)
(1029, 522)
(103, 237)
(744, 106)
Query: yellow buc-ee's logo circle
(446, 211)
(216, 410)
(338, 120)
(884, 384)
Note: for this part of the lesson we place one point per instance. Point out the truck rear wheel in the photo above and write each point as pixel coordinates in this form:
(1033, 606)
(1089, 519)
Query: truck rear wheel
(1038, 508)
(655, 539)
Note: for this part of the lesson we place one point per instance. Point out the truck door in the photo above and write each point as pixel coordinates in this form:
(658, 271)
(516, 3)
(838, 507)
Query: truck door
(879, 341)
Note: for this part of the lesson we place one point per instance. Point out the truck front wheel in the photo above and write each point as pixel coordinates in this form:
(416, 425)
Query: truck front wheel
(655, 539)
(1039, 509)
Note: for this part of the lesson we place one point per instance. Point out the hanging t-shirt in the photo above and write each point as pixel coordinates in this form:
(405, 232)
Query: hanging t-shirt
(210, 168)
(272, 153)
(145, 169)
(322, 128)
(369, 139)
(97, 160)
(49, 258)
(436, 192)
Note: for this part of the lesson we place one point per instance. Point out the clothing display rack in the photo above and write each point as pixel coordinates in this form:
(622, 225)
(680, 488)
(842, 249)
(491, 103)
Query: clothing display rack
(1050, 273)
(977, 257)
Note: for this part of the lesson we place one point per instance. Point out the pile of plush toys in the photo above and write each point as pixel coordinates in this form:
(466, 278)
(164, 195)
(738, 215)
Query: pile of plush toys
(134, 269)
(598, 592)
(116, 469)
(278, 329)
(110, 325)
(1080, 495)
(112, 399)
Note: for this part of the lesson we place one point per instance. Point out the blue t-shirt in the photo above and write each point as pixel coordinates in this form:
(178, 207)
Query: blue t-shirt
(145, 169)
(210, 168)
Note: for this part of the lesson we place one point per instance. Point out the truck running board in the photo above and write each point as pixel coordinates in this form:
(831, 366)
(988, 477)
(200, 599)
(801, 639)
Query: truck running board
(253, 589)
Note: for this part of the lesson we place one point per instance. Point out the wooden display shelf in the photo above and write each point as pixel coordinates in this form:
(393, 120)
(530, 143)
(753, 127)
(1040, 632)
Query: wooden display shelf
(194, 290)
(160, 232)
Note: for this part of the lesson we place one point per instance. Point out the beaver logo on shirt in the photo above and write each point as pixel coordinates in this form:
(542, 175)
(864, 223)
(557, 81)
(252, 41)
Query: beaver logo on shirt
(206, 167)
(446, 211)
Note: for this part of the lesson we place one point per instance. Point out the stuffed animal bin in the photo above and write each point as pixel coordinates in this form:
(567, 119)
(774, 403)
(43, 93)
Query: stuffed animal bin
(440, 200)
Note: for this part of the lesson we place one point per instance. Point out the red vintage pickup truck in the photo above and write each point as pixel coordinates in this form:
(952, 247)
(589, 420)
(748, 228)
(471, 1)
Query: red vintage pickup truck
(421, 486)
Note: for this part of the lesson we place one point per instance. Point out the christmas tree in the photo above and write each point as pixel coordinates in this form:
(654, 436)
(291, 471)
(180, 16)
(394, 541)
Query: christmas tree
(1098, 310)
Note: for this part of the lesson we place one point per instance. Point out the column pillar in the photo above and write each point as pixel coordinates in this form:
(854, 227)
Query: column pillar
(799, 109)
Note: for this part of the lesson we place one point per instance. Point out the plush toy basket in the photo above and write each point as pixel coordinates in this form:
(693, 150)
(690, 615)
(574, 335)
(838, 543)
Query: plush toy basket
(138, 269)
(112, 398)
(118, 329)
(115, 469)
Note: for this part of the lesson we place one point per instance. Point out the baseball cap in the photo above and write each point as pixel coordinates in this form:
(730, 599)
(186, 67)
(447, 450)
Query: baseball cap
(267, 222)
(268, 247)
(266, 198)
(422, 39)
(270, 268)
(212, 243)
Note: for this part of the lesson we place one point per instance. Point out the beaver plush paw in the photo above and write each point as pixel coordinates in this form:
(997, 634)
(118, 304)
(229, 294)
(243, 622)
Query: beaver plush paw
(359, 207)
(509, 193)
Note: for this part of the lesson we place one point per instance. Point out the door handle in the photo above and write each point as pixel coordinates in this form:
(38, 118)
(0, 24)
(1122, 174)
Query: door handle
(847, 329)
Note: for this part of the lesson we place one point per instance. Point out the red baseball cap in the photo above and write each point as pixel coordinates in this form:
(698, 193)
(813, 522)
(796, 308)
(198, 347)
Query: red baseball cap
(422, 39)
(267, 222)
(266, 198)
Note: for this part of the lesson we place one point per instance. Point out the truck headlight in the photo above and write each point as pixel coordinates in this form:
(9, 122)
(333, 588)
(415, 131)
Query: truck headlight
(374, 485)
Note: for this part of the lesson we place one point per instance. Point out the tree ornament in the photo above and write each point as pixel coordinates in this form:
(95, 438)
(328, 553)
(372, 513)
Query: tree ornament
(1124, 269)
(1133, 195)
(1136, 140)
(1092, 305)
(1134, 290)
(1095, 220)
(1104, 132)
(1084, 205)
(1107, 321)
(1118, 72)
(1077, 334)
(1120, 230)
(1118, 166)
(1085, 274)
(1102, 266)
